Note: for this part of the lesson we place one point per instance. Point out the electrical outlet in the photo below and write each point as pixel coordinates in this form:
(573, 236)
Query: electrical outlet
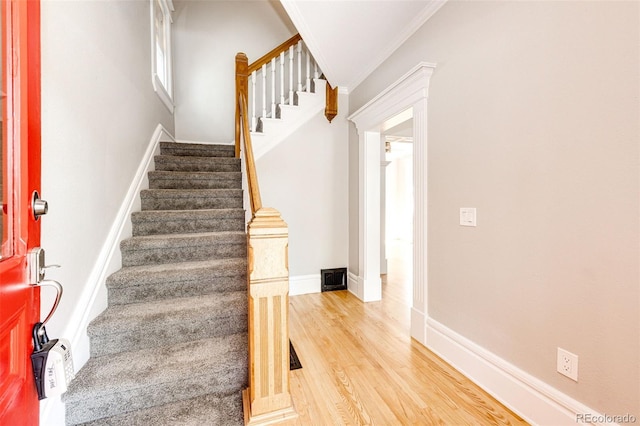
(567, 364)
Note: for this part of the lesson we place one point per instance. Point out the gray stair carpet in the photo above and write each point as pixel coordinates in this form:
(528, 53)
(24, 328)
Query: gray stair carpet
(171, 347)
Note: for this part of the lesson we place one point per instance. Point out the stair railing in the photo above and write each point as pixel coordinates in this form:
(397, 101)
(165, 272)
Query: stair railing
(275, 80)
(267, 399)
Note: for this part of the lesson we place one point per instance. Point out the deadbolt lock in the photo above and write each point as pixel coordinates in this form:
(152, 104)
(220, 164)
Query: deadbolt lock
(38, 206)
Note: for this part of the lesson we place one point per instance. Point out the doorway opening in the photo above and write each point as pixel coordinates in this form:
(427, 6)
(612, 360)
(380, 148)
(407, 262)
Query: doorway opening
(408, 95)
(396, 216)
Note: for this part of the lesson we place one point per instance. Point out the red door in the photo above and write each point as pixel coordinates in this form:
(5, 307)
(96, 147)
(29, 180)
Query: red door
(19, 231)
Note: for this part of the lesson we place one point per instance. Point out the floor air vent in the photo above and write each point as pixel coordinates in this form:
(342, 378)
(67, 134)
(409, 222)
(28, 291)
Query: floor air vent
(333, 279)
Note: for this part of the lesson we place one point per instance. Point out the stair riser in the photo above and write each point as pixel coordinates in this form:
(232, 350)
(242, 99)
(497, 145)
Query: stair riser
(172, 183)
(186, 164)
(193, 385)
(165, 290)
(203, 410)
(186, 227)
(151, 335)
(158, 202)
(197, 151)
(137, 257)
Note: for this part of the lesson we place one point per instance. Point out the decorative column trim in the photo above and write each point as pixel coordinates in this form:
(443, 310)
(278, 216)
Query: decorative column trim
(420, 222)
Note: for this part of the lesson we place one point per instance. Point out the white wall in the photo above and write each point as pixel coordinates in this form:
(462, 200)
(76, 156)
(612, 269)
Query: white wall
(99, 112)
(208, 35)
(533, 120)
(399, 195)
(306, 178)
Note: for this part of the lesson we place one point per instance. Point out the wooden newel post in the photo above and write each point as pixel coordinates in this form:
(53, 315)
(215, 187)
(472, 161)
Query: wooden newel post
(242, 87)
(268, 400)
(331, 99)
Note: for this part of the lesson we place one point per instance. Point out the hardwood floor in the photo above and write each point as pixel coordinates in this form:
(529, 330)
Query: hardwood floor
(360, 367)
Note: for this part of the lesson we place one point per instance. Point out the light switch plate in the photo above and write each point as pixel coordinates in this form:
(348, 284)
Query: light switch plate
(468, 216)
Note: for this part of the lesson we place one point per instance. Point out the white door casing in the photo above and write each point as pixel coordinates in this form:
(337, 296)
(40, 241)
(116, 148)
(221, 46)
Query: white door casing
(410, 92)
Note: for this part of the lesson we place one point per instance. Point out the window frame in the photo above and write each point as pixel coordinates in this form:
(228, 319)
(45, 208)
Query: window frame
(164, 91)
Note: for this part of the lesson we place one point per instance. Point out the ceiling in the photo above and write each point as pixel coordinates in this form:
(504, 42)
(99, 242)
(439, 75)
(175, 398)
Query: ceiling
(349, 39)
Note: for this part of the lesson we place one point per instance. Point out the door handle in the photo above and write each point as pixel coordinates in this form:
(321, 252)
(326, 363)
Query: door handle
(37, 269)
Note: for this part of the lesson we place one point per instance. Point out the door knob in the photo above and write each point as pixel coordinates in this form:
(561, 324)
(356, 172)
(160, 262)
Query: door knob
(38, 206)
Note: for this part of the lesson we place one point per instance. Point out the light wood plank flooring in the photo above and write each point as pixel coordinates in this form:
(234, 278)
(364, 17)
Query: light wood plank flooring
(360, 367)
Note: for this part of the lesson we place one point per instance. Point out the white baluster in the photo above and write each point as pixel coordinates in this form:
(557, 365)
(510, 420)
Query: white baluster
(282, 78)
(273, 88)
(316, 74)
(291, 75)
(253, 101)
(264, 91)
(308, 71)
(299, 66)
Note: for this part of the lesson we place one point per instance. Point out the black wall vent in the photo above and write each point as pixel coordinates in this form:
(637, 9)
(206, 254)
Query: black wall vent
(333, 279)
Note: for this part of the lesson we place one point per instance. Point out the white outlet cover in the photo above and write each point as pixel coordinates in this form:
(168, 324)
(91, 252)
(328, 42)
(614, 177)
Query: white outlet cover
(567, 364)
(468, 216)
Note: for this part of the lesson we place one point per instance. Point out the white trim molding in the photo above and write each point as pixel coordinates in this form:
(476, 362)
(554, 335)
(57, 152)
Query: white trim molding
(304, 284)
(396, 98)
(315, 47)
(531, 398)
(406, 98)
(352, 283)
(408, 30)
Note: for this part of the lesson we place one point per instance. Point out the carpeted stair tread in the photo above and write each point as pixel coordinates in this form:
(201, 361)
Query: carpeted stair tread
(171, 347)
(135, 284)
(197, 150)
(130, 381)
(150, 249)
(121, 328)
(194, 180)
(197, 164)
(225, 410)
(182, 199)
(152, 222)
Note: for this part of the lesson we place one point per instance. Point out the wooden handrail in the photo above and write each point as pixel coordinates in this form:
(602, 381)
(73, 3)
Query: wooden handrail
(252, 177)
(242, 88)
(275, 52)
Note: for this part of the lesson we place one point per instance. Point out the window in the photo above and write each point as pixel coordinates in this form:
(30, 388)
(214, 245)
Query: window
(161, 70)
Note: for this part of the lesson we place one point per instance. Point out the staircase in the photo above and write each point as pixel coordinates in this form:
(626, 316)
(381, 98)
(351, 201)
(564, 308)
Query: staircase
(284, 89)
(270, 131)
(171, 348)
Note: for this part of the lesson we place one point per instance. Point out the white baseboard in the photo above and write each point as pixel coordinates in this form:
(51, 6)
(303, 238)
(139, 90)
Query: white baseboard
(418, 326)
(366, 291)
(93, 300)
(304, 284)
(535, 401)
(352, 283)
